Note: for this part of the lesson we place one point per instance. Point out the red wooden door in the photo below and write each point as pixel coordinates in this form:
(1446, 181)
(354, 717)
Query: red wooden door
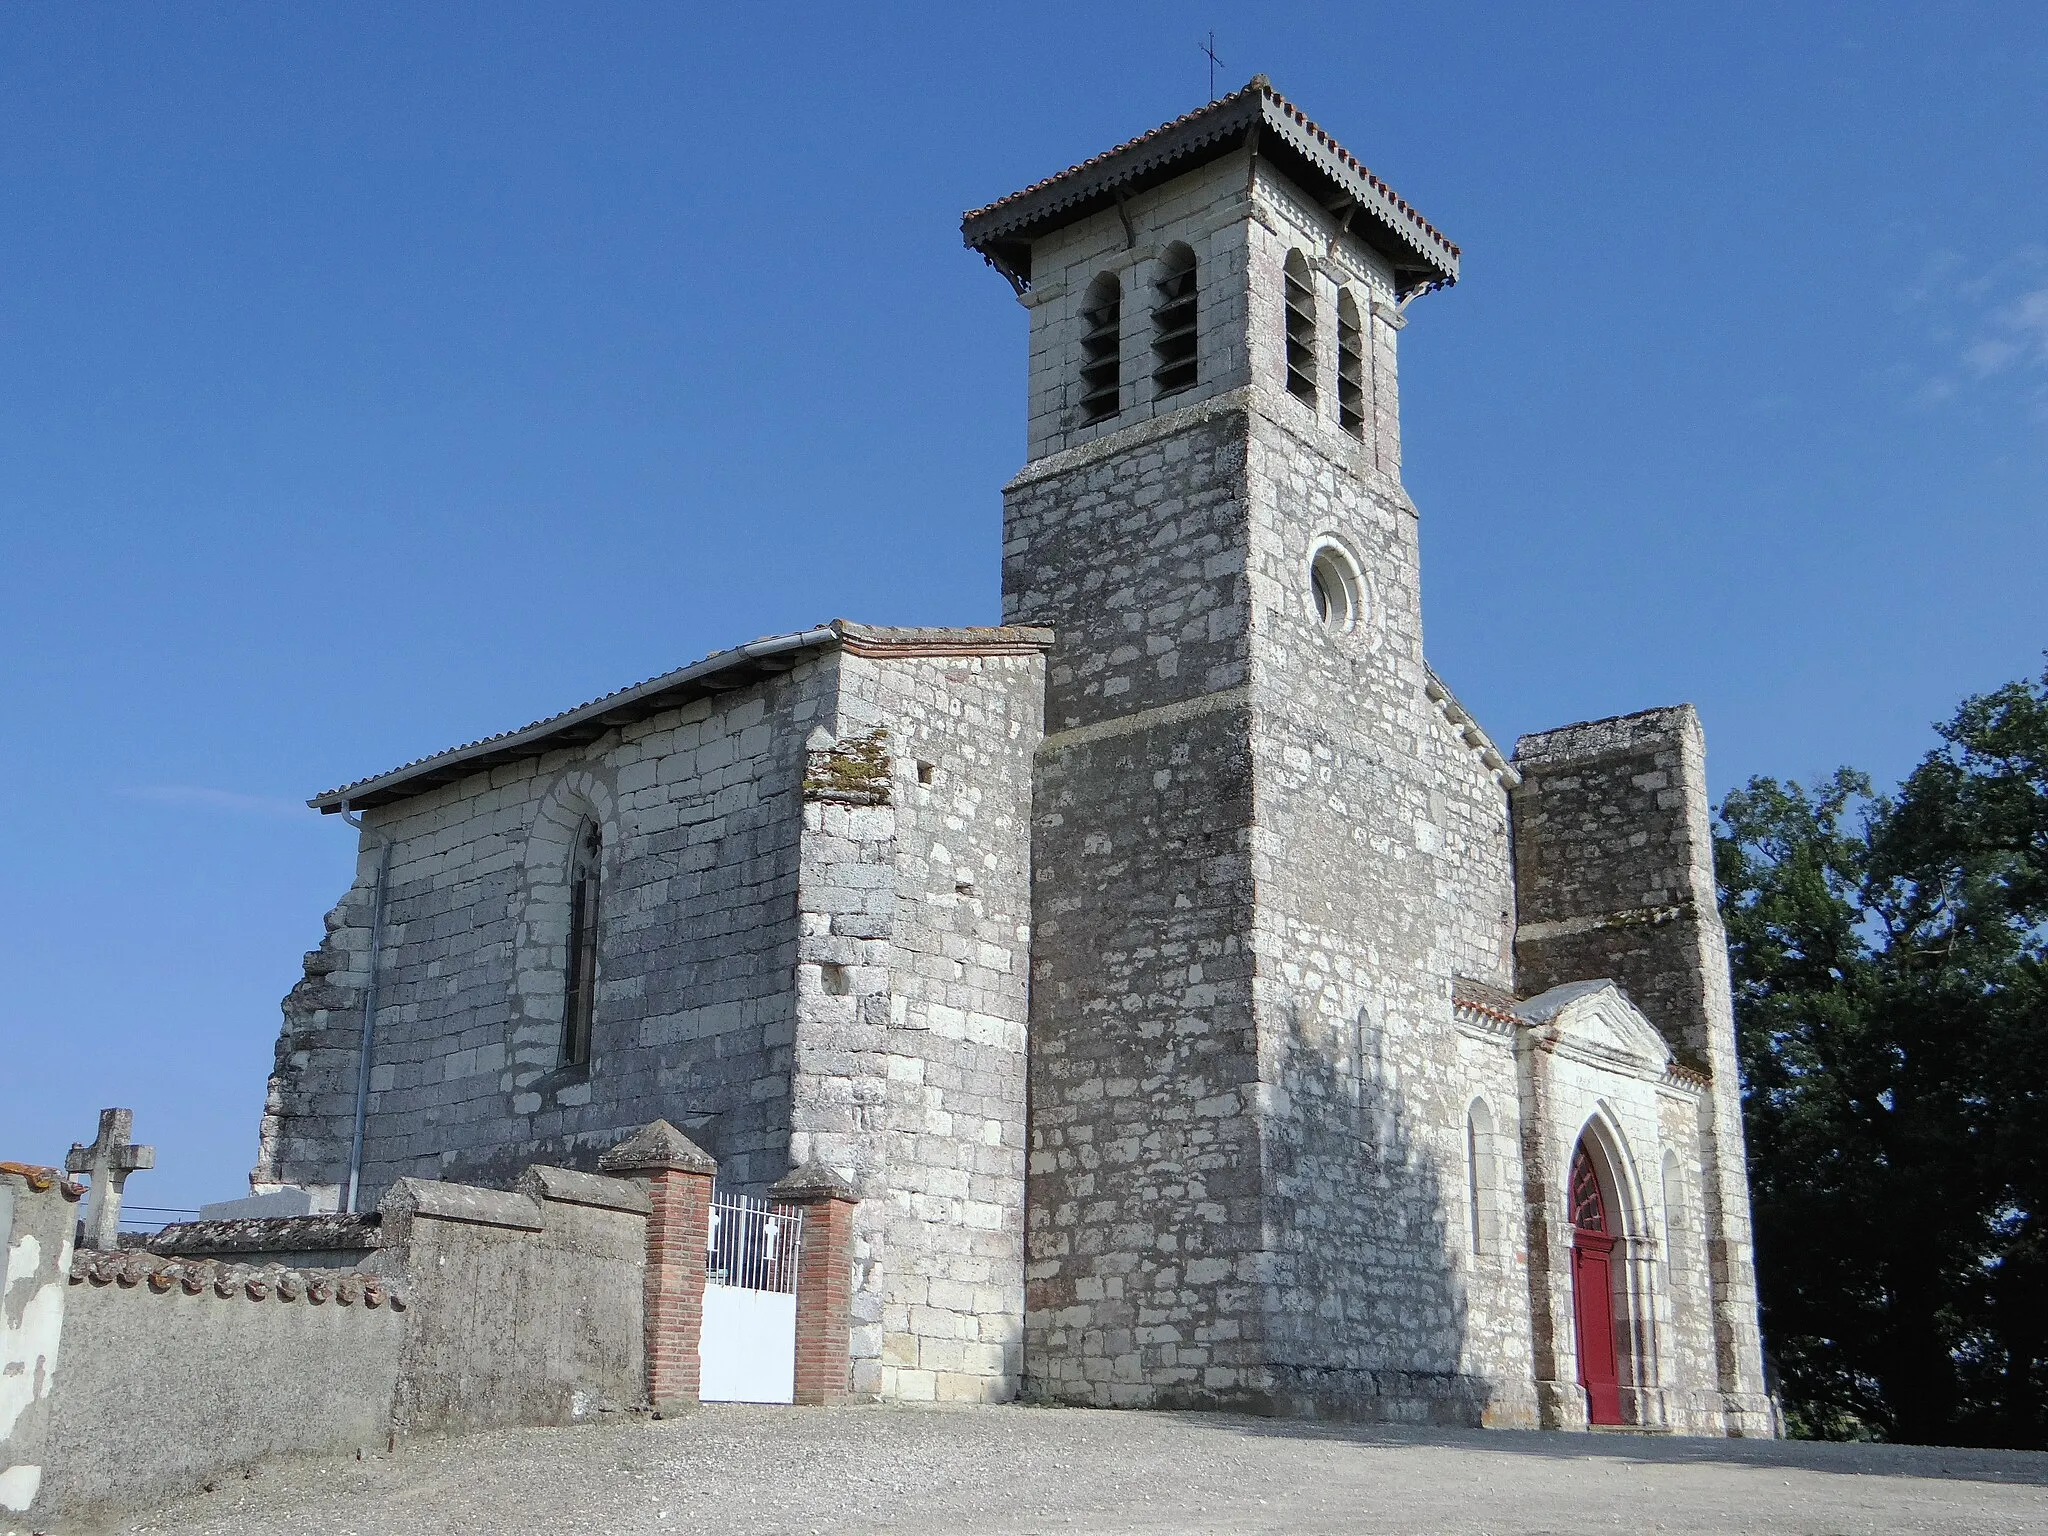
(1593, 1304)
(1593, 1293)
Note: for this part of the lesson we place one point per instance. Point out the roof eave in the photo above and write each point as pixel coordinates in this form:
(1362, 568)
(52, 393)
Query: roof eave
(1421, 257)
(723, 672)
(719, 673)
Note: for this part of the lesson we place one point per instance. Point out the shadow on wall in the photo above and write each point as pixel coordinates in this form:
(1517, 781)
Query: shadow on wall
(1367, 1319)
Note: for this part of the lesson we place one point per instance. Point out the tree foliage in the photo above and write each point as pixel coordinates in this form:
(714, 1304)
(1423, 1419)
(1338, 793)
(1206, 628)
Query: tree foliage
(1891, 984)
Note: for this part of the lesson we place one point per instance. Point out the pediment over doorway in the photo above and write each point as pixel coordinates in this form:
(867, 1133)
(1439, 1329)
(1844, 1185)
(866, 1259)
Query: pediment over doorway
(1596, 1018)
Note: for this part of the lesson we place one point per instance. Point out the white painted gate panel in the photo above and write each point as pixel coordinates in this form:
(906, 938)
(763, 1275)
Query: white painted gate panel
(747, 1351)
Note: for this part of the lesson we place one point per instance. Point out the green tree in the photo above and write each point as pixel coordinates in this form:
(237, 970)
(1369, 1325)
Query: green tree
(1891, 984)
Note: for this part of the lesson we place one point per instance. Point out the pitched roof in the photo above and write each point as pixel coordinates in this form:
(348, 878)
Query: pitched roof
(721, 672)
(1422, 257)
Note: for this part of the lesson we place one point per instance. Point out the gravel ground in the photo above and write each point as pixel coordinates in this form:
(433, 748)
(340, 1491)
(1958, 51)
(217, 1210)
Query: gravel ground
(735, 1470)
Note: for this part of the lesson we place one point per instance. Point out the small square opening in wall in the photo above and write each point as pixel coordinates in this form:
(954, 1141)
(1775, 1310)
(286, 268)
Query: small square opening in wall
(837, 980)
(926, 772)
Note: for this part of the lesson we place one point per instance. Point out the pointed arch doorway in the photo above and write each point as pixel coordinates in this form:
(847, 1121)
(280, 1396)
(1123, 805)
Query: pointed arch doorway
(1593, 1287)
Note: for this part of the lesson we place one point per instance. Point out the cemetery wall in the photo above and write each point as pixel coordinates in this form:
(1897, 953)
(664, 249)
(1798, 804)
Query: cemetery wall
(175, 1374)
(526, 1304)
(144, 1375)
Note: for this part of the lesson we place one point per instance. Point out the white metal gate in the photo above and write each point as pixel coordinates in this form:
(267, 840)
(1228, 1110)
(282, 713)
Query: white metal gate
(747, 1350)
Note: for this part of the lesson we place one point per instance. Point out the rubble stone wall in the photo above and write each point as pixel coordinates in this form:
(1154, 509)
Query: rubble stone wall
(1381, 860)
(1144, 1174)
(1614, 870)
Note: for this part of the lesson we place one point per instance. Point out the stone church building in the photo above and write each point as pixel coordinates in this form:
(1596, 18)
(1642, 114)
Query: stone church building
(1203, 1008)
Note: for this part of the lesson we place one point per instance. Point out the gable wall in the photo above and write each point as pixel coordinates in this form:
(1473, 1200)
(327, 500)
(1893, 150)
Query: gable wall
(693, 1023)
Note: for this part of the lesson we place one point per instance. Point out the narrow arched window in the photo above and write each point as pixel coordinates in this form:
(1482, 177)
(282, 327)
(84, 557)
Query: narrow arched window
(1301, 328)
(1173, 322)
(1102, 340)
(1674, 1212)
(1481, 1181)
(579, 982)
(1350, 367)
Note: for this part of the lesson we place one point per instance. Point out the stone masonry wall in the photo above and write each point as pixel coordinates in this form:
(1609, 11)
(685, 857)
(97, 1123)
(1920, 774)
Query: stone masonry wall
(1382, 865)
(963, 730)
(1490, 1249)
(1144, 1177)
(1233, 815)
(1204, 211)
(525, 1305)
(1381, 856)
(1687, 1318)
(700, 811)
(1614, 868)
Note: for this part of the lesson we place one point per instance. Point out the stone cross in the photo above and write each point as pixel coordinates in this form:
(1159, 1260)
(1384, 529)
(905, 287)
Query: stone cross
(109, 1161)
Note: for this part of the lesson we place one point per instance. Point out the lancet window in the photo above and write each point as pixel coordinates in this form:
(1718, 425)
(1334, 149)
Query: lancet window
(1301, 328)
(579, 982)
(1350, 366)
(1102, 349)
(1173, 322)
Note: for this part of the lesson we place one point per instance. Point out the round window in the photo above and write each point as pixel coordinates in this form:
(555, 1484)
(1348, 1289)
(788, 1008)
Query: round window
(1335, 588)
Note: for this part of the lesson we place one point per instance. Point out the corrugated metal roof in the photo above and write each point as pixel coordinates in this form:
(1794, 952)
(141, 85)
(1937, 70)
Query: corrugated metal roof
(1421, 255)
(721, 672)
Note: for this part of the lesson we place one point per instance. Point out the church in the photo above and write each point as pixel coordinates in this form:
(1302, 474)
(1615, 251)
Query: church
(1202, 1008)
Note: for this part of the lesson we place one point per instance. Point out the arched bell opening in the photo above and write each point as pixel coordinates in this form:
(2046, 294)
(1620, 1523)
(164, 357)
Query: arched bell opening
(1613, 1285)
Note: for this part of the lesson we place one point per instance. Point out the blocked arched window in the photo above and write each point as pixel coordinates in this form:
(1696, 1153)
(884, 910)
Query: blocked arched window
(1674, 1212)
(1102, 340)
(1173, 322)
(1350, 366)
(579, 981)
(1301, 328)
(1482, 1181)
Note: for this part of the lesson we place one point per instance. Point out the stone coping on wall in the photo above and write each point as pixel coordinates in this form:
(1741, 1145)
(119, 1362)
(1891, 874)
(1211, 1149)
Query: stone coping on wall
(1469, 731)
(230, 1282)
(569, 1187)
(334, 1232)
(408, 1198)
(1589, 739)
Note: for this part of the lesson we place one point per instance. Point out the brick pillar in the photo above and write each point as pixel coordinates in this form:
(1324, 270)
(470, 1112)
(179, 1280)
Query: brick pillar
(677, 1175)
(824, 1283)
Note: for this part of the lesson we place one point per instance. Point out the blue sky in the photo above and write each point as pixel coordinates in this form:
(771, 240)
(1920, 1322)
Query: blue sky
(382, 376)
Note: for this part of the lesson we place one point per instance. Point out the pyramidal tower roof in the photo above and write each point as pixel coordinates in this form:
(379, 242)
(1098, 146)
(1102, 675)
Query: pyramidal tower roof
(1276, 129)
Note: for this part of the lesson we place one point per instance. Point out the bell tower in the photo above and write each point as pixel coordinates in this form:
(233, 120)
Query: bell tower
(1246, 914)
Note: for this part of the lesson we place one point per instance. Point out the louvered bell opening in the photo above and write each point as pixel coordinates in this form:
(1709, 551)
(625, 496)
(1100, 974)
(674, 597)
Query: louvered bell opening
(1350, 370)
(1173, 327)
(1301, 334)
(1101, 344)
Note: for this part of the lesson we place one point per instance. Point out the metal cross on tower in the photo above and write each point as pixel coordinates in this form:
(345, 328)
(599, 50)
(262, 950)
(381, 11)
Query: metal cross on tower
(109, 1160)
(1210, 49)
